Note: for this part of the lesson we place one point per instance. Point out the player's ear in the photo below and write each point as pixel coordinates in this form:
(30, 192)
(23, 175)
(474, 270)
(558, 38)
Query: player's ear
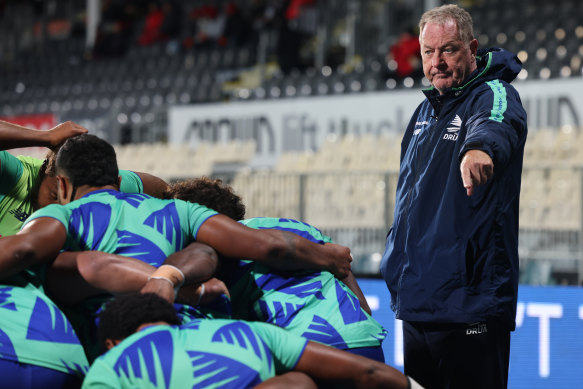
(62, 189)
(119, 181)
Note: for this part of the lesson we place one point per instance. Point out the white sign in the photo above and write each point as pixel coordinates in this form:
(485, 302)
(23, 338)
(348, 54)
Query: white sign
(293, 124)
(302, 124)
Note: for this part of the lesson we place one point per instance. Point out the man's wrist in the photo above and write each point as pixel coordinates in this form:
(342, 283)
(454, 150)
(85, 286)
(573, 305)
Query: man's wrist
(172, 273)
(162, 278)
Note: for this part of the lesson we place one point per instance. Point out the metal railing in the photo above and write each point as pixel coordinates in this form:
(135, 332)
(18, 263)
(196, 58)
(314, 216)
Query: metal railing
(356, 209)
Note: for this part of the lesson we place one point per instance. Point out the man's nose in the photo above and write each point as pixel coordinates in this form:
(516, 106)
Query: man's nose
(436, 59)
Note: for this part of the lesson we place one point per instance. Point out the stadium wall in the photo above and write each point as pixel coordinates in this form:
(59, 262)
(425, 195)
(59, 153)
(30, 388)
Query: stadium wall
(298, 124)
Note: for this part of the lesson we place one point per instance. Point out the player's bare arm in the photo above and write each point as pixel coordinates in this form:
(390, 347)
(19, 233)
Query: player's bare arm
(77, 275)
(352, 284)
(342, 369)
(185, 271)
(277, 249)
(89, 273)
(291, 379)
(154, 186)
(13, 135)
(38, 242)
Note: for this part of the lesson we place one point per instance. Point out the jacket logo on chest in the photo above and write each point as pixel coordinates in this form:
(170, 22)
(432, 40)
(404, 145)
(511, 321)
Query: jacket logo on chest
(419, 126)
(453, 129)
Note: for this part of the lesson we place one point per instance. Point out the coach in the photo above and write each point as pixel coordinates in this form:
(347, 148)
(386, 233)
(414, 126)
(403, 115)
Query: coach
(451, 257)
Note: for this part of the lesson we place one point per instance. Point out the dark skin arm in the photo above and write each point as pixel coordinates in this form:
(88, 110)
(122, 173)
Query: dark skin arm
(277, 249)
(154, 186)
(77, 275)
(38, 242)
(13, 135)
(289, 380)
(198, 262)
(89, 273)
(346, 370)
(352, 284)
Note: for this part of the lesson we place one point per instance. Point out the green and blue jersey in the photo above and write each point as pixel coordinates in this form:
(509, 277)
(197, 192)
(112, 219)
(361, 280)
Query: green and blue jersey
(129, 224)
(33, 330)
(19, 177)
(200, 354)
(313, 304)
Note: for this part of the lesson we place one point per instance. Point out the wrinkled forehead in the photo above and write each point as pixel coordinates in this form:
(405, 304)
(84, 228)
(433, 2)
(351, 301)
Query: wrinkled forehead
(440, 34)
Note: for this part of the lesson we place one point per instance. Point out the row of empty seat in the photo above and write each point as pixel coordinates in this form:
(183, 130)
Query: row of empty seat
(183, 161)
(349, 153)
(350, 181)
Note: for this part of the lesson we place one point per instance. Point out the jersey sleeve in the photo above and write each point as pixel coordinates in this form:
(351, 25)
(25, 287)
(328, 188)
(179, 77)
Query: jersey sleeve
(54, 211)
(197, 215)
(10, 172)
(101, 376)
(130, 182)
(297, 227)
(286, 347)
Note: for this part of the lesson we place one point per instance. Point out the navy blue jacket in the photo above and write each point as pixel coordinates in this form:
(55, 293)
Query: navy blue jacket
(451, 258)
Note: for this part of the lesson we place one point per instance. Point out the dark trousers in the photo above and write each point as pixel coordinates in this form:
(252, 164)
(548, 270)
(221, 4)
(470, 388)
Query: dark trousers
(457, 356)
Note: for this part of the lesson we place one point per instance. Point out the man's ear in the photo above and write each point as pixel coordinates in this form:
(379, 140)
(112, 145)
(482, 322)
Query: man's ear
(119, 182)
(63, 189)
(474, 46)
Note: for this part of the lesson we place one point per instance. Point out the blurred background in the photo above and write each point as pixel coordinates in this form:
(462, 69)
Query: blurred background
(301, 106)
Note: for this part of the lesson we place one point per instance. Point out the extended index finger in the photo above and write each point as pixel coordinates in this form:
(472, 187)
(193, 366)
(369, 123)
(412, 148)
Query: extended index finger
(467, 179)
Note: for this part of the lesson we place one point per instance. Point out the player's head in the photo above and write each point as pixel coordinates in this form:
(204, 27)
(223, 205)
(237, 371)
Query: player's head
(85, 160)
(212, 193)
(124, 315)
(448, 46)
(45, 191)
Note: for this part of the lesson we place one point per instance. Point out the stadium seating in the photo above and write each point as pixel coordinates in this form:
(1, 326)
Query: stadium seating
(346, 187)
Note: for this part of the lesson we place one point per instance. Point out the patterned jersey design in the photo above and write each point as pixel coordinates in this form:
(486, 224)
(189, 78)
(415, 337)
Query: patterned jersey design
(217, 371)
(136, 246)
(142, 360)
(49, 324)
(312, 304)
(89, 223)
(320, 330)
(349, 306)
(279, 313)
(6, 347)
(301, 286)
(5, 295)
(240, 334)
(34, 331)
(167, 222)
(200, 354)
